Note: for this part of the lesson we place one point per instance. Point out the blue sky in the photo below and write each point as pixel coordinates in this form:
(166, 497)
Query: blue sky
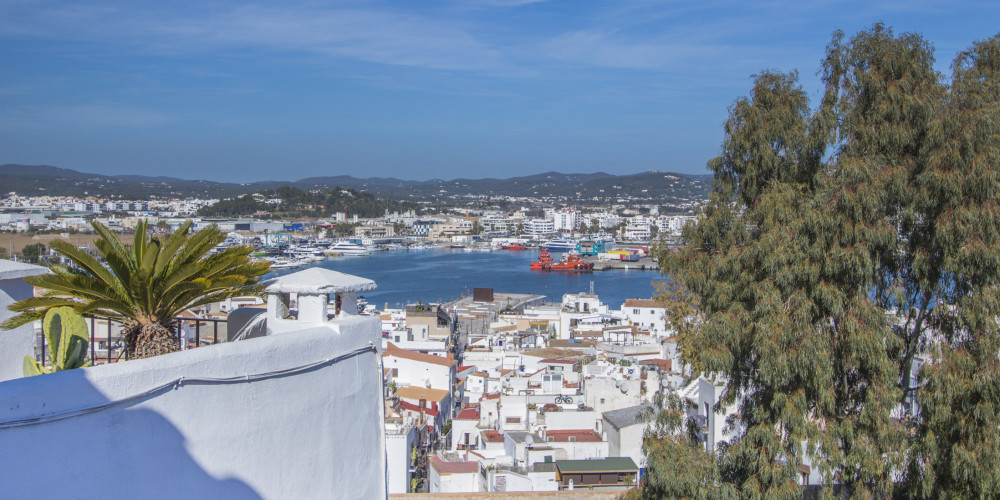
(239, 91)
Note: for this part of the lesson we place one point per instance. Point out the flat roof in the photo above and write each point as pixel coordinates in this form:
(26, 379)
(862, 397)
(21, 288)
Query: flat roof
(453, 467)
(644, 303)
(610, 464)
(392, 350)
(624, 417)
(418, 393)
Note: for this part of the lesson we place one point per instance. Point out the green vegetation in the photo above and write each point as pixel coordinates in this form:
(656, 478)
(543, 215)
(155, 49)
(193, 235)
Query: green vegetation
(295, 202)
(146, 284)
(66, 332)
(837, 243)
(33, 252)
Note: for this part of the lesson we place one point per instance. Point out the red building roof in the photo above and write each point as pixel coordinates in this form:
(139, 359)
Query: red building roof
(416, 408)
(468, 414)
(453, 467)
(392, 350)
(492, 437)
(579, 435)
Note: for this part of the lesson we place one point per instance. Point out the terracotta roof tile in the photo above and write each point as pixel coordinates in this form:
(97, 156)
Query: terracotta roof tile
(453, 467)
(394, 351)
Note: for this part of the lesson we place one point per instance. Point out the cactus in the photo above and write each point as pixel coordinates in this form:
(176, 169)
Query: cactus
(66, 332)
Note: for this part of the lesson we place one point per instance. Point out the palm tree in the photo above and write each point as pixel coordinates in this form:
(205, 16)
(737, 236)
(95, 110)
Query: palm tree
(144, 285)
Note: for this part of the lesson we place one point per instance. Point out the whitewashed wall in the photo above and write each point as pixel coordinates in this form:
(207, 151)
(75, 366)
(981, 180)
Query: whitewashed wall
(17, 343)
(398, 444)
(312, 434)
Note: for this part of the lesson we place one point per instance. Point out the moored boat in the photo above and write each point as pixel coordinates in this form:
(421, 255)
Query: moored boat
(347, 248)
(514, 246)
(571, 263)
(543, 262)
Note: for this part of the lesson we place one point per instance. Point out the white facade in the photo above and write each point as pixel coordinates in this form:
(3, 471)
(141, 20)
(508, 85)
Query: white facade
(400, 438)
(638, 228)
(539, 227)
(20, 342)
(411, 371)
(564, 219)
(646, 314)
(625, 429)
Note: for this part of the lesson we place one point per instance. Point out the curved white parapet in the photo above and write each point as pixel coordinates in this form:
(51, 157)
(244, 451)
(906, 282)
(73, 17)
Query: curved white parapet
(287, 416)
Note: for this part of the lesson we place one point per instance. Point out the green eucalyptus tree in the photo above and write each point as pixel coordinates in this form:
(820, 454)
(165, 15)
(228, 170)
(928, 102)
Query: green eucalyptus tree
(956, 446)
(838, 246)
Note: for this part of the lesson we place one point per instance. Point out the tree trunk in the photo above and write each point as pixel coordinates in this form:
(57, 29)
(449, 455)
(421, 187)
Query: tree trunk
(145, 341)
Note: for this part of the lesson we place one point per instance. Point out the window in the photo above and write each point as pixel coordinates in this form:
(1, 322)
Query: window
(635, 311)
(602, 400)
(572, 439)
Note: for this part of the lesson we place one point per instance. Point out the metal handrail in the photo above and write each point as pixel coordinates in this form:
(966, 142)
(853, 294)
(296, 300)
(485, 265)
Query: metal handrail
(42, 355)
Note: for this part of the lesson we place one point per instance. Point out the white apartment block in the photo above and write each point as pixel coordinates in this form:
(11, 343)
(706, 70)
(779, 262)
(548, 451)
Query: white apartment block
(647, 315)
(539, 227)
(563, 219)
(638, 228)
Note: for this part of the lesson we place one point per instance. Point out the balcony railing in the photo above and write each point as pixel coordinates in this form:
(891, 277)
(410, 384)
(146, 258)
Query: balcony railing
(206, 332)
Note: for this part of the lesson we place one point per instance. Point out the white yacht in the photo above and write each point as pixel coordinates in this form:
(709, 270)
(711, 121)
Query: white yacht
(560, 245)
(347, 248)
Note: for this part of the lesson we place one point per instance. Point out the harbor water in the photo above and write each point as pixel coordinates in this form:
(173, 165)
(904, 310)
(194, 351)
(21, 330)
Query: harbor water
(442, 274)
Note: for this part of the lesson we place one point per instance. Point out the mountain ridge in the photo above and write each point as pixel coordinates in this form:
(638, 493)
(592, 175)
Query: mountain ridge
(38, 180)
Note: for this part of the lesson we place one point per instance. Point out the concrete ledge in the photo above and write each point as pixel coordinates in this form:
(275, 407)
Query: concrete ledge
(526, 495)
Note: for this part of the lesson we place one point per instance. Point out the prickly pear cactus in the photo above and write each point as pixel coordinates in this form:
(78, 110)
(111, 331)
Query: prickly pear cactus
(66, 332)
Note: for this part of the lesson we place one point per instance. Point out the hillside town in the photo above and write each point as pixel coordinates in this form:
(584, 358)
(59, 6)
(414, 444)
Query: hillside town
(632, 222)
(500, 392)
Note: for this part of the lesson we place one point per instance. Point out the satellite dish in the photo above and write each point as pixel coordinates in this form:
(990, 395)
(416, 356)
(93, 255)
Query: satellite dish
(624, 388)
(427, 383)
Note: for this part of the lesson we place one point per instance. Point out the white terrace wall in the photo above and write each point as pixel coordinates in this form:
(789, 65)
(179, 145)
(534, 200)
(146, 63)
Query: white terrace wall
(311, 433)
(20, 342)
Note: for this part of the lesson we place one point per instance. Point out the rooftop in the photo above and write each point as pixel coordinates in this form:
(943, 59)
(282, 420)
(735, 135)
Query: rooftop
(579, 435)
(392, 350)
(610, 464)
(492, 437)
(316, 280)
(525, 437)
(453, 467)
(468, 414)
(625, 417)
(417, 393)
(552, 353)
(643, 303)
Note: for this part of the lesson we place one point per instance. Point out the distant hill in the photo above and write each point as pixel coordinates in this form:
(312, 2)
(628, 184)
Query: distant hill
(668, 188)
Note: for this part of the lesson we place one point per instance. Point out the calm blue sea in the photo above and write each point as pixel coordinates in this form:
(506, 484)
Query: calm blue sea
(444, 274)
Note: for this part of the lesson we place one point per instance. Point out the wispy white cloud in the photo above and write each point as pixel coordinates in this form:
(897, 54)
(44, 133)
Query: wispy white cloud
(366, 34)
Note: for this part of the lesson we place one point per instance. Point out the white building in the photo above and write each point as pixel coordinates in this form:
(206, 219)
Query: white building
(563, 219)
(625, 428)
(539, 227)
(638, 228)
(455, 477)
(646, 314)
